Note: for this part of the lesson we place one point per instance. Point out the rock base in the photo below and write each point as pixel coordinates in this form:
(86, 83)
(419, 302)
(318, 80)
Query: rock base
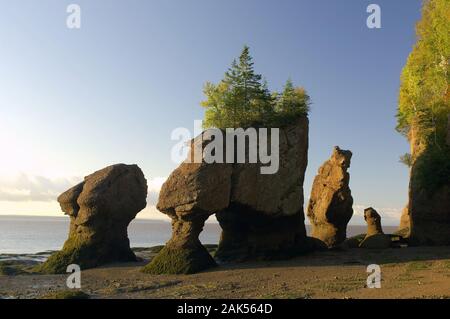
(377, 241)
(430, 233)
(176, 260)
(86, 256)
(330, 234)
(183, 253)
(248, 235)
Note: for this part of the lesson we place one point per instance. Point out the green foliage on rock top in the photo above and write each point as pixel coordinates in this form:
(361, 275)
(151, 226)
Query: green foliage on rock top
(424, 98)
(424, 91)
(242, 99)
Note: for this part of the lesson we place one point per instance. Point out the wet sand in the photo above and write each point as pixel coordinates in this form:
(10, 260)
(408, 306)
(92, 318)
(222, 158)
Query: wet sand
(413, 272)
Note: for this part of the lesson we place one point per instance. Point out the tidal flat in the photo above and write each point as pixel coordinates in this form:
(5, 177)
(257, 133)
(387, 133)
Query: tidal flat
(413, 272)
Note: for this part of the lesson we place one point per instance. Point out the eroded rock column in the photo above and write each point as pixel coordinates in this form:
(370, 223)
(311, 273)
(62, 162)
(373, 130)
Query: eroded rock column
(261, 215)
(330, 205)
(375, 238)
(192, 193)
(100, 210)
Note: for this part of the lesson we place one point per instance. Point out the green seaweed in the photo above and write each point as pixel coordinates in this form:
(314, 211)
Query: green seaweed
(180, 261)
(72, 253)
(84, 254)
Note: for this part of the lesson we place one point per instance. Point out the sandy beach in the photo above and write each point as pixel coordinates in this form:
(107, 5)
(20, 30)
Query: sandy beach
(414, 272)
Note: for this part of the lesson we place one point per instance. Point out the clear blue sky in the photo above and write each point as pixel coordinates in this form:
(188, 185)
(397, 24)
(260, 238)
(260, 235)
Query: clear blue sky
(73, 101)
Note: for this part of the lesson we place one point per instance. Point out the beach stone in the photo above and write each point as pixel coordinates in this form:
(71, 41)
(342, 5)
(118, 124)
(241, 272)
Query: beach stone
(261, 215)
(377, 241)
(100, 210)
(330, 204)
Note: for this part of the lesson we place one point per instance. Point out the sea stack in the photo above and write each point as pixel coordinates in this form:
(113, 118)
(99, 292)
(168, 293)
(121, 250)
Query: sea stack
(373, 220)
(261, 215)
(100, 210)
(375, 238)
(330, 205)
(192, 193)
(265, 216)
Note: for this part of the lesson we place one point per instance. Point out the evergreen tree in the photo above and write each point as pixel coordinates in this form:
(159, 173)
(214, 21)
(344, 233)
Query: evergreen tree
(293, 101)
(243, 99)
(246, 88)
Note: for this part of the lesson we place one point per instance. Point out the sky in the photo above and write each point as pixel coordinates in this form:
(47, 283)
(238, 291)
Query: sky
(73, 101)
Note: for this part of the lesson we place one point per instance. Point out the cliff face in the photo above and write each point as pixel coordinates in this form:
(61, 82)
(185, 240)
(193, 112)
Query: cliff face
(448, 131)
(261, 214)
(429, 212)
(405, 223)
(429, 204)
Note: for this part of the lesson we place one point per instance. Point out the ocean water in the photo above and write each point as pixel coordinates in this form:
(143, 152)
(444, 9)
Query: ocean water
(32, 234)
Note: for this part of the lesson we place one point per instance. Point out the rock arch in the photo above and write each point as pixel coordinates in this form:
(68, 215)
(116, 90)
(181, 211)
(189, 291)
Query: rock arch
(261, 215)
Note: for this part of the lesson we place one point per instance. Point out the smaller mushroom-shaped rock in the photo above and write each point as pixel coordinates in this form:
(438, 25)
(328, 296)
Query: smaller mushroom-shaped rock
(375, 238)
(100, 210)
(373, 220)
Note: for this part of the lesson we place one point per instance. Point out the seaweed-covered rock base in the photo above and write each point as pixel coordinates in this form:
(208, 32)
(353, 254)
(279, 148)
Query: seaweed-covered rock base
(100, 210)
